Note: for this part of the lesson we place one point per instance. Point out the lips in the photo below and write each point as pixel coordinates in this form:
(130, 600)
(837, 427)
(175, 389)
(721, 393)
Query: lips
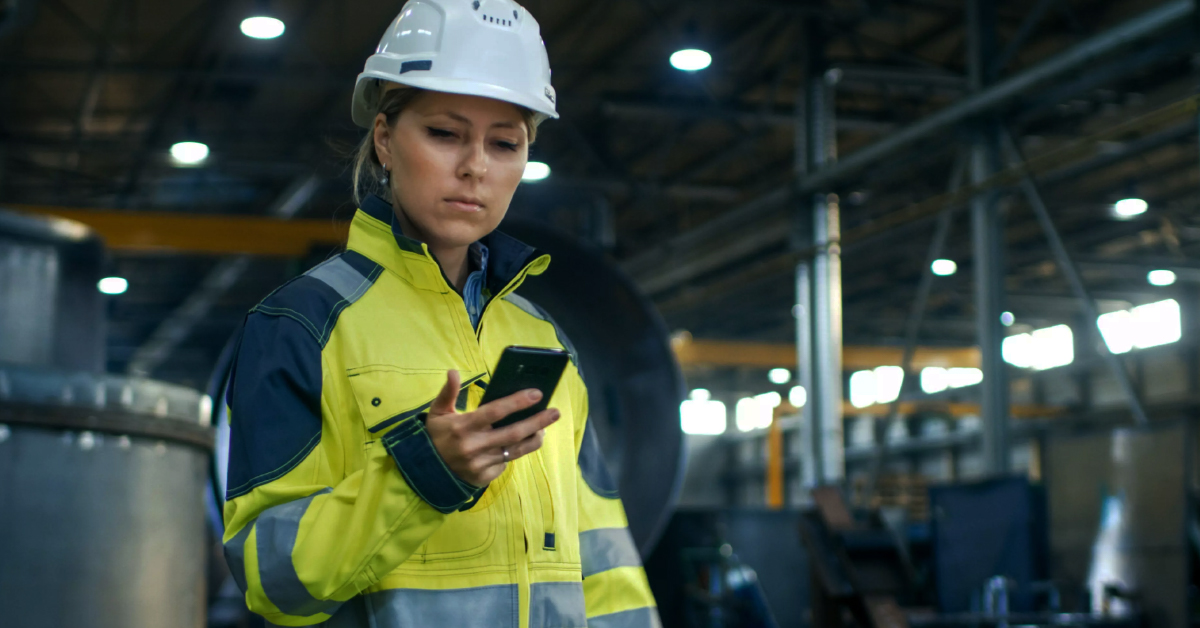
(466, 203)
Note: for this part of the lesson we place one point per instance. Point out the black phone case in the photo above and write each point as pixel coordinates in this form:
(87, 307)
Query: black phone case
(521, 368)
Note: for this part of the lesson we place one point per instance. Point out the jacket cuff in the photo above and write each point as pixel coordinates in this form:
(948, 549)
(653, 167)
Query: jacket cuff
(424, 470)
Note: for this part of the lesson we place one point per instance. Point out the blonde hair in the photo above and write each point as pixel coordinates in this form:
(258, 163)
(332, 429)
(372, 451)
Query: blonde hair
(368, 172)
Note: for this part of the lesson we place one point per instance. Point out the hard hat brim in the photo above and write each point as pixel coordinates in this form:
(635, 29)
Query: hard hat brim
(365, 103)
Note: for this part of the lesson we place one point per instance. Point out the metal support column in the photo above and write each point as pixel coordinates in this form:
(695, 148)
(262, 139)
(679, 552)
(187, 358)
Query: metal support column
(987, 235)
(816, 148)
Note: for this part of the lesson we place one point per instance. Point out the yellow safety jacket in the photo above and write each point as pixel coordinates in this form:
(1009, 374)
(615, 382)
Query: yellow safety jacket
(339, 508)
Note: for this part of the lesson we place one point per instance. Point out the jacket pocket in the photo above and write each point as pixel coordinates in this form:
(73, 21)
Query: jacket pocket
(388, 395)
(388, 398)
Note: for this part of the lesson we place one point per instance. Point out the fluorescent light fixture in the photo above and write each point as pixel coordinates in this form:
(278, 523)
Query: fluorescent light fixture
(757, 411)
(113, 285)
(705, 416)
(862, 389)
(1042, 349)
(1144, 326)
(779, 376)
(798, 396)
(535, 171)
(959, 377)
(746, 414)
(1130, 207)
(189, 153)
(770, 399)
(943, 267)
(1007, 319)
(262, 27)
(880, 385)
(934, 379)
(690, 60)
(1160, 277)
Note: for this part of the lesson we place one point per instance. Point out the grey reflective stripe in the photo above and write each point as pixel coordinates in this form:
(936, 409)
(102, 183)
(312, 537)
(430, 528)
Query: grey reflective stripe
(477, 607)
(644, 617)
(607, 548)
(557, 605)
(352, 614)
(235, 555)
(341, 276)
(529, 308)
(275, 540)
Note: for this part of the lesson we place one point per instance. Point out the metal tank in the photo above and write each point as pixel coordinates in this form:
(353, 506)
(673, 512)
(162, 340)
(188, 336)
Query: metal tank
(51, 313)
(102, 478)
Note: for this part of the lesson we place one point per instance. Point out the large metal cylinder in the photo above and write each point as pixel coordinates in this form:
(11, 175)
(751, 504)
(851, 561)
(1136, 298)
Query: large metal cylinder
(102, 484)
(51, 313)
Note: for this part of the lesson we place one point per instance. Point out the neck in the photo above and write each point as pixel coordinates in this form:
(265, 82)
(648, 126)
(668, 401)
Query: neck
(452, 259)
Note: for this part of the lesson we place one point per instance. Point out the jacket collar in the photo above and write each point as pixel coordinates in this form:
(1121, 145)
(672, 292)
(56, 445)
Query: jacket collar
(376, 233)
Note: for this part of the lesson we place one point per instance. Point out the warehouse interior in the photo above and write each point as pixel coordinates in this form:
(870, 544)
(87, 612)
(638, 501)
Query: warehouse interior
(889, 309)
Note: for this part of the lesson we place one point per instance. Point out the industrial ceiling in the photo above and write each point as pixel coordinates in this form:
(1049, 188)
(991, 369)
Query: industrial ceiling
(688, 180)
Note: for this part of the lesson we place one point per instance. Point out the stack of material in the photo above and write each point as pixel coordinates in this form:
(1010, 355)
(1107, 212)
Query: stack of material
(909, 491)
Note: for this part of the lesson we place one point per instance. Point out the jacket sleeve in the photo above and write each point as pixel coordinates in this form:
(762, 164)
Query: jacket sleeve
(303, 535)
(615, 590)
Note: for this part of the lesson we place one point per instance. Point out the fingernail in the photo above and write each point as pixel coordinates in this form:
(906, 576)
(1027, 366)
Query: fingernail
(534, 394)
(557, 415)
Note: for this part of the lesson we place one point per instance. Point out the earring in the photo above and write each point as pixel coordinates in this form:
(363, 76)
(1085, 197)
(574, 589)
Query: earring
(384, 180)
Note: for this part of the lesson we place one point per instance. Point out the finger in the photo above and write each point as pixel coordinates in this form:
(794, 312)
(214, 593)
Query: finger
(493, 411)
(510, 435)
(444, 403)
(527, 446)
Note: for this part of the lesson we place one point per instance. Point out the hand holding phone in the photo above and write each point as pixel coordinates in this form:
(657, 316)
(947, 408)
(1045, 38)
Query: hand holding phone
(477, 445)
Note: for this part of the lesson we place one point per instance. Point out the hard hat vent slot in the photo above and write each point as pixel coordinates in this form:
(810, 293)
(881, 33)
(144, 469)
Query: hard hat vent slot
(491, 19)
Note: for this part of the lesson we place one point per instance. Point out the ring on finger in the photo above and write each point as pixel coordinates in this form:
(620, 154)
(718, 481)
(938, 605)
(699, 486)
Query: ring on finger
(505, 452)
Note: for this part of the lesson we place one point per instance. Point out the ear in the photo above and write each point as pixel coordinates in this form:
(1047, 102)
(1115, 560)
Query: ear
(383, 138)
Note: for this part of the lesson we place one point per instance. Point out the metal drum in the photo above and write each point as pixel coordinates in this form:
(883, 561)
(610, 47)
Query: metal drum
(50, 311)
(102, 485)
(101, 478)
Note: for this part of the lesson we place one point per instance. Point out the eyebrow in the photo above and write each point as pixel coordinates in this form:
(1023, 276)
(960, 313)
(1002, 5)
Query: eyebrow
(465, 120)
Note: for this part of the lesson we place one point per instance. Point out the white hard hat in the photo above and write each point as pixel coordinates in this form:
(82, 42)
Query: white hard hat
(490, 48)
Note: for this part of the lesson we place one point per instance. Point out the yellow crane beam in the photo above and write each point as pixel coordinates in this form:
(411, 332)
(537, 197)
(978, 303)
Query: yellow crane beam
(699, 353)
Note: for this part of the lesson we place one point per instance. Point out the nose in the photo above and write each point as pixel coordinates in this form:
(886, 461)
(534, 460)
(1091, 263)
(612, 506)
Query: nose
(474, 162)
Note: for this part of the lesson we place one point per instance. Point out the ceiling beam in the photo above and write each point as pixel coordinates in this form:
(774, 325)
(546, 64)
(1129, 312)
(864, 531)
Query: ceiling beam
(172, 331)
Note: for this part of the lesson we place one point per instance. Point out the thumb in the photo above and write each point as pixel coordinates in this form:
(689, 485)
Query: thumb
(444, 403)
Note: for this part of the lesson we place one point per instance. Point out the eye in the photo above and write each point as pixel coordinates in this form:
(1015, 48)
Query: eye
(508, 146)
(436, 132)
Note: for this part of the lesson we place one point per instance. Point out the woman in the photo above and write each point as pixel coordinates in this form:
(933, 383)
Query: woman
(367, 486)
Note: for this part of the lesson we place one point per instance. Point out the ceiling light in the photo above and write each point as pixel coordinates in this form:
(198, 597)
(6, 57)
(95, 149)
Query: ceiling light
(779, 376)
(690, 60)
(943, 267)
(189, 153)
(113, 285)
(797, 396)
(1007, 319)
(1160, 277)
(535, 171)
(262, 27)
(1130, 207)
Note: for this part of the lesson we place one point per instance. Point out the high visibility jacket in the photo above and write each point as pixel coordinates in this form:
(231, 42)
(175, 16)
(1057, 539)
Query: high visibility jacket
(340, 509)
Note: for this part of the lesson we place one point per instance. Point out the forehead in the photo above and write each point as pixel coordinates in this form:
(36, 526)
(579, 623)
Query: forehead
(475, 109)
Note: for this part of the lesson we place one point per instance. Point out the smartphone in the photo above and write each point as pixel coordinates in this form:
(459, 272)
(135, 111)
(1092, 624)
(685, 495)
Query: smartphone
(521, 368)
